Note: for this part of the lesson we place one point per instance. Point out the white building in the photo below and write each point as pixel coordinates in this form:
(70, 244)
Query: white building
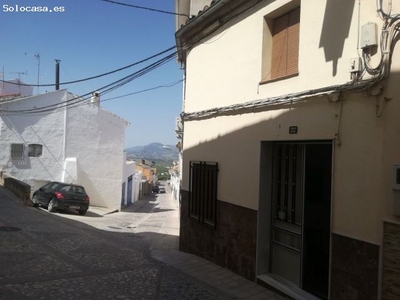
(45, 138)
(291, 138)
(15, 87)
(130, 184)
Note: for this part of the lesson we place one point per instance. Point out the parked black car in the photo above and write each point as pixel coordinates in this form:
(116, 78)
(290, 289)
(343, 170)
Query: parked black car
(57, 195)
(155, 189)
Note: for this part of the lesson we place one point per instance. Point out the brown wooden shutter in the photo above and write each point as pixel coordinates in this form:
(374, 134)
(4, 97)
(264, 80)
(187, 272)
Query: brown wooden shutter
(285, 45)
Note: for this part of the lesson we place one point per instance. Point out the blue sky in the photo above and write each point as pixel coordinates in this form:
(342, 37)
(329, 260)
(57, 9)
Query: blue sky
(92, 37)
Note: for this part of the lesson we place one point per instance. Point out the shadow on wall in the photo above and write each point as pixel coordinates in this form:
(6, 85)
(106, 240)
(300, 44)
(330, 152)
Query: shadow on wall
(24, 164)
(335, 30)
(84, 179)
(233, 243)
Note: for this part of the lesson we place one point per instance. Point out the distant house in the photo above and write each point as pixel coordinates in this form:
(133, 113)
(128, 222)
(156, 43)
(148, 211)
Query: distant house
(130, 183)
(46, 137)
(291, 143)
(148, 176)
(14, 88)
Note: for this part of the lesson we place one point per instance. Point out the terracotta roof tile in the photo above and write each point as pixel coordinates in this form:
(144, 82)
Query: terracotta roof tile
(192, 17)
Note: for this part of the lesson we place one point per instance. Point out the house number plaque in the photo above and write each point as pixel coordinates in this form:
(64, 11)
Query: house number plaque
(293, 129)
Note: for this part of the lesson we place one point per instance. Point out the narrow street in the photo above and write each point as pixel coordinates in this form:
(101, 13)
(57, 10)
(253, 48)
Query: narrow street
(126, 255)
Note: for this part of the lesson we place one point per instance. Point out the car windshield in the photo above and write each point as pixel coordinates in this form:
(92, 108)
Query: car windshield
(72, 189)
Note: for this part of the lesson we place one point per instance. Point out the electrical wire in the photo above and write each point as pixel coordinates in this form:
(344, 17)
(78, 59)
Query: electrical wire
(105, 89)
(220, 23)
(85, 101)
(390, 31)
(286, 99)
(167, 85)
(146, 8)
(96, 76)
(388, 35)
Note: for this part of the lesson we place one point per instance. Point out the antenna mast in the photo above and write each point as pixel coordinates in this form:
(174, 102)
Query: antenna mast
(37, 56)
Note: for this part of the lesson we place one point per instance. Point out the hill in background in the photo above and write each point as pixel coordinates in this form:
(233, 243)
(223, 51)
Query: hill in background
(153, 152)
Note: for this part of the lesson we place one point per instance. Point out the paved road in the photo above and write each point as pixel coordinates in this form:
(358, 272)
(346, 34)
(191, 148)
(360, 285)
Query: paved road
(126, 255)
(49, 256)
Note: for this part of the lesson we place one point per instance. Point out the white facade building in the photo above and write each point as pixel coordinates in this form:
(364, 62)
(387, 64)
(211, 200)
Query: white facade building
(302, 97)
(130, 184)
(83, 144)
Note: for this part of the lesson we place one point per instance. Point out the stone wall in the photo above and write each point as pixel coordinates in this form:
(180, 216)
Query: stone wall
(231, 244)
(355, 269)
(19, 188)
(391, 262)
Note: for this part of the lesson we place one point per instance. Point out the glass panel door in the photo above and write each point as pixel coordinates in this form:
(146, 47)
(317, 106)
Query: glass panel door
(287, 212)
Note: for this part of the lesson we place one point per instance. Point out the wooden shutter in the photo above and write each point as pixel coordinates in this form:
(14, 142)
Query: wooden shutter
(285, 45)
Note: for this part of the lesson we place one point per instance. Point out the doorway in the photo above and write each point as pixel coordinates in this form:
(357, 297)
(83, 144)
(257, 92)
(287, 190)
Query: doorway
(129, 193)
(299, 214)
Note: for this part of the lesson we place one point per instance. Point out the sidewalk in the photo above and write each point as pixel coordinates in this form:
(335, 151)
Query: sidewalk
(162, 217)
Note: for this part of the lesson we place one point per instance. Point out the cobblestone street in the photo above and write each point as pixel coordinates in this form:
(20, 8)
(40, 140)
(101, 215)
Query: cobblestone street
(66, 256)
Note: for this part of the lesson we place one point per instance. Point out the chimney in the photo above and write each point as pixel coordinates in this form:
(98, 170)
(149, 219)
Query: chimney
(57, 74)
(95, 98)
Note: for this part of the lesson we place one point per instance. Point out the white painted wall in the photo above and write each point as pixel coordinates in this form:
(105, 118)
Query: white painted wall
(83, 145)
(37, 129)
(182, 7)
(96, 138)
(234, 55)
(137, 178)
(198, 5)
(129, 170)
(175, 184)
(226, 69)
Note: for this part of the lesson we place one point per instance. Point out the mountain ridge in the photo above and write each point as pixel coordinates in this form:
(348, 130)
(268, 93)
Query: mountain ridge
(153, 151)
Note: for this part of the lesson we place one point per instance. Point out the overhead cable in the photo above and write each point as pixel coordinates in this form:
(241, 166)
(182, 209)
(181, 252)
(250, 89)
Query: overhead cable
(147, 8)
(167, 85)
(96, 76)
(286, 99)
(105, 89)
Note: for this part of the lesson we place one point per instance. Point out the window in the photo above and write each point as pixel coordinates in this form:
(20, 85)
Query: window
(281, 46)
(35, 150)
(72, 189)
(51, 186)
(17, 151)
(203, 192)
(66, 188)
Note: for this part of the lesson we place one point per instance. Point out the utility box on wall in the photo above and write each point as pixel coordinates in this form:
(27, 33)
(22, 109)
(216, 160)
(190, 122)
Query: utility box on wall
(396, 189)
(369, 37)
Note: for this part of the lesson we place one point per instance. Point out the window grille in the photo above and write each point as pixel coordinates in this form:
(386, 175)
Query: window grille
(17, 151)
(203, 192)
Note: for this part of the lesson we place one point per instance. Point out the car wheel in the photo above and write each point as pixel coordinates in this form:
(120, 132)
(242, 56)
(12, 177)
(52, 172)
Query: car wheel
(82, 212)
(35, 201)
(50, 207)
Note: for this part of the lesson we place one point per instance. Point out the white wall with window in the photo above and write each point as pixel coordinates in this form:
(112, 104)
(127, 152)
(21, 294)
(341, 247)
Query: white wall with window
(83, 145)
(240, 92)
(17, 151)
(35, 150)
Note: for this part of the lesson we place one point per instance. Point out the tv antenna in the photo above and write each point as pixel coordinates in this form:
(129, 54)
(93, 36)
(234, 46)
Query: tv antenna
(37, 56)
